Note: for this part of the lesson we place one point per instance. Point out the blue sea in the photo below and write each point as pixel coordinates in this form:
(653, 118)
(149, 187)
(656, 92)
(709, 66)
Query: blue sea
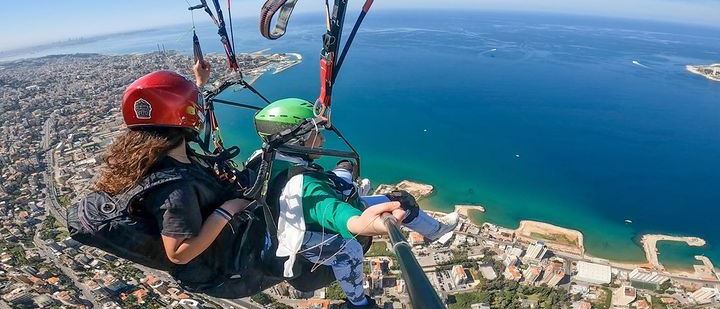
(582, 122)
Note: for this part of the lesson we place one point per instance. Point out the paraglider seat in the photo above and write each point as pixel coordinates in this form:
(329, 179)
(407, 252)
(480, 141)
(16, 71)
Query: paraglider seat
(308, 275)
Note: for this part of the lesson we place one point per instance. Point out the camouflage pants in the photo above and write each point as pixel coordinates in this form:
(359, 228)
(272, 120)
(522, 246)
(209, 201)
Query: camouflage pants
(344, 256)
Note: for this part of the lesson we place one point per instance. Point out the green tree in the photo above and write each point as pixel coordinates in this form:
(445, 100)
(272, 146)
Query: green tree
(464, 300)
(664, 287)
(378, 248)
(64, 201)
(657, 304)
(334, 292)
(606, 300)
(262, 298)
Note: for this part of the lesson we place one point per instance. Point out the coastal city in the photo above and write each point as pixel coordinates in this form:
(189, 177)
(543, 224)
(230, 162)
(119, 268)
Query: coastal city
(60, 112)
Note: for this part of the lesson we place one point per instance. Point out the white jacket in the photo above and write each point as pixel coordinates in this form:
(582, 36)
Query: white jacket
(291, 223)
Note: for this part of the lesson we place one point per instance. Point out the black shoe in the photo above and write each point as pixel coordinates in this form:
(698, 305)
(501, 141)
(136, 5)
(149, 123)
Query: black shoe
(370, 305)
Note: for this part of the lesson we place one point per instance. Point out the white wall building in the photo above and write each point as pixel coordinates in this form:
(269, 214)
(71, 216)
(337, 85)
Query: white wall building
(458, 274)
(532, 274)
(514, 251)
(535, 252)
(704, 295)
(593, 273)
(643, 279)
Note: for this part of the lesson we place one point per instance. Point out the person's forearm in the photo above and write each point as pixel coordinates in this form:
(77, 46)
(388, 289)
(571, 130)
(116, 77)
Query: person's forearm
(356, 226)
(192, 247)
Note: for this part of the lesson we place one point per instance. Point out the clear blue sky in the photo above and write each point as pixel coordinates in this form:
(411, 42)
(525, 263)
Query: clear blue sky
(31, 22)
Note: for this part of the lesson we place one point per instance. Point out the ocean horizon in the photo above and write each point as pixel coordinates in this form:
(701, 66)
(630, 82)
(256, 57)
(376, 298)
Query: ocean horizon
(582, 122)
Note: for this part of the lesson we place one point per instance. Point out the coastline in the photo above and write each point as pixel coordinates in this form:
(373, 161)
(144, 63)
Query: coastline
(466, 209)
(711, 72)
(649, 242)
(527, 232)
(555, 237)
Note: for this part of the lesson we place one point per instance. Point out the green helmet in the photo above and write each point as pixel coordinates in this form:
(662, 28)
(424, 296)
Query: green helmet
(281, 115)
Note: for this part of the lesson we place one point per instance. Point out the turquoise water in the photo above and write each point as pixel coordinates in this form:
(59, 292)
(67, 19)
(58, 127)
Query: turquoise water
(600, 139)
(424, 96)
(675, 255)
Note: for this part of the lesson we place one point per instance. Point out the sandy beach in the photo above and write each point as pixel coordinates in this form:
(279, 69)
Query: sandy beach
(555, 237)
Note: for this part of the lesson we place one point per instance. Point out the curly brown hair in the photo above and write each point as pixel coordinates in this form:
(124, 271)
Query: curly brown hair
(133, 153)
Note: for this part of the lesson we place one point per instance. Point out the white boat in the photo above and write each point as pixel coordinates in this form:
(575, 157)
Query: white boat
(628, 221)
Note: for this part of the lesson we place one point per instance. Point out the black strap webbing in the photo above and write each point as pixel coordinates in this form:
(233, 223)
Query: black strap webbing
(151, 181)
(253, 90)
(351, 37)
(267, 13)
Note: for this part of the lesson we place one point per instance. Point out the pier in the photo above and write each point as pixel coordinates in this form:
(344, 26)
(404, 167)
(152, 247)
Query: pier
(465, 209)
(649, 243)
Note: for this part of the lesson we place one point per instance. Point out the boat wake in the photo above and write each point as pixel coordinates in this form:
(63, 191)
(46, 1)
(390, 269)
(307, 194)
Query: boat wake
(489, 51)
(635, 62)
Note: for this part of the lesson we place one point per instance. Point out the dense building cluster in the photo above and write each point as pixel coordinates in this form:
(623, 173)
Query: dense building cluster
(488, 266)
(58, 114)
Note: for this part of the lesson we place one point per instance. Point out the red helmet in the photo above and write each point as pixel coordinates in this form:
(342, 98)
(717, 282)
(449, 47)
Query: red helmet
(162, 98)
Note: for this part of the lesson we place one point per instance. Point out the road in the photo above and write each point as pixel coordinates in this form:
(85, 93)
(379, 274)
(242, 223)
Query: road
(46, 133)
(52, 204)
(47, 252)
(54, 209)
(235, 303)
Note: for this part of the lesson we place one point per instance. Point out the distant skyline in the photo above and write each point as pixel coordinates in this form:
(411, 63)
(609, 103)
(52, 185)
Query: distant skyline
(28, 23)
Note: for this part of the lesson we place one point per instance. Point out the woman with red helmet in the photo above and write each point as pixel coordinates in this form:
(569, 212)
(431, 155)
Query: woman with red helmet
(162, 114)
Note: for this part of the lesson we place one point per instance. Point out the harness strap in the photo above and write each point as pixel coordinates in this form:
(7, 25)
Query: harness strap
(336, 182)
(263, 176)
(211, 130)
(205, 7)
(253, 90)
(197, 51)
(329, 53)
(151, 181)
(222, 31)
(267, 14)
(326, 73)
(351, 37)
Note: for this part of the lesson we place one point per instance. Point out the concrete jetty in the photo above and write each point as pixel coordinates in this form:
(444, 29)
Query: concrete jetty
(465, 209)
(649, 242)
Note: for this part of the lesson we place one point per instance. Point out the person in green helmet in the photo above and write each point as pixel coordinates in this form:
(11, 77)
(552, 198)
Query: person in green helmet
(319, 217)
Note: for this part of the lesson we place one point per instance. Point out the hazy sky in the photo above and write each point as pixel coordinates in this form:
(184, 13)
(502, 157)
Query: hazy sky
(31, 22)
